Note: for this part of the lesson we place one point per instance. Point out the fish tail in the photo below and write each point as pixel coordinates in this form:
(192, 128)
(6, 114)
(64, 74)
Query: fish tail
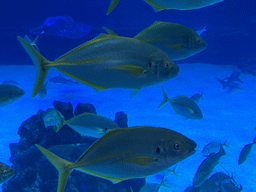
(225, 144)
(254, 142)
(222, 151)
(62, 121)
(166, 99)
(63, 166)
(40, 62)
(112, 6)
(163, 184)
(224, 83)
(174, 171)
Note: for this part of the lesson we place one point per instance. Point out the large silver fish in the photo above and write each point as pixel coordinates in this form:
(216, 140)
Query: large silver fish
(159, 5)
(127, 153)
(177, 41)
(108, 62)
(6, 172)
(10, 94)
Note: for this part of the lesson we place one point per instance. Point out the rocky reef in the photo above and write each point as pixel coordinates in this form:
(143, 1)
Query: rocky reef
(35, 173)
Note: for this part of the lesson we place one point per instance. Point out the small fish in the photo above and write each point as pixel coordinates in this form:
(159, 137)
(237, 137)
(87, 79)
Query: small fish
(108, 62)
(63, 26)
(177, 41)
(234, 77)
(183, 106)
(213, 147)
(51, 118)
(10, 82)
(207, 186)
(197, 97)
(207, 167)
(6, 172)
(145, 151)
(159, 5)
(246, 151)
(229, 85)
(221, 178)
(10, 94)
(88, 124)
(33, 43)
(230, 187)
(43, 91)
(61, 80)
(200, 31)
(152, 187)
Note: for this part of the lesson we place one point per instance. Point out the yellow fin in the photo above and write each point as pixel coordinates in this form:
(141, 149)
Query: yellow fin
(109, 31)
(4, 99)
(114, 180)
(95, 86)
(155, 6)
(178, 47)
(134, 93)
(133, 69)
(139, 160)
(61, 165)
(175, 109)
(148, 29)
(166, 99)
(112, 6)
(41, 65)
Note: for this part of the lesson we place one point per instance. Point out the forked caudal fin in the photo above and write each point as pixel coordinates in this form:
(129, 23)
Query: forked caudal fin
(39, 61)
(61, 165)
(166, 99)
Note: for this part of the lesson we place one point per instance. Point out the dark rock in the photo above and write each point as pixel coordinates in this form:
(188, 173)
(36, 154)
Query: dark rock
(36, 174)
(121, 119)
(82, 108)
(66, 109)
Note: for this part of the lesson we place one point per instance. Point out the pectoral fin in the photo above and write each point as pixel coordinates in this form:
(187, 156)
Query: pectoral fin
(4, 99)
(112, 6)
(133, 69)
(178, 47)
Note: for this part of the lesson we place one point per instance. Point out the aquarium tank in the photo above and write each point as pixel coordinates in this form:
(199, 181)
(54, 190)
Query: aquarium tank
(128, 96)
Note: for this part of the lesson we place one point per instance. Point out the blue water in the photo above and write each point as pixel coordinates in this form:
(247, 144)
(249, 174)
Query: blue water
(227, 114)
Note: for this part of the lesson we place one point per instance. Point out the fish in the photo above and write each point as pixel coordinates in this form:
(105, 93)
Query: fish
(61, 80)
(230, 187)
(234, 77)
(108, 62)
(177, 41)
(51, 118)
(246, 151)
(229, 85)
(207, 167)
(221, 178)
(145, 151)
(183, 106)
(64, 26)
(200, 31)
(6, 173)
(10, 82)
(43, 92)
(10, 94)
(197, 97)
(88, 124)
(33, 43)
(152, 187)
(159, 5)
(207, 186)
(213, 147)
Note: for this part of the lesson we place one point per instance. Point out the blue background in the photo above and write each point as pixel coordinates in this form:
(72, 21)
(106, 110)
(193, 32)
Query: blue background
(230, 37)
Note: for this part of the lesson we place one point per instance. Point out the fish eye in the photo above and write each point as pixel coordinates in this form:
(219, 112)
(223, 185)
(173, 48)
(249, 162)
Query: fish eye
(150, 64)
(198, 41)
(5, 172)
(187, 40)
(177, 146)
(166, 65)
